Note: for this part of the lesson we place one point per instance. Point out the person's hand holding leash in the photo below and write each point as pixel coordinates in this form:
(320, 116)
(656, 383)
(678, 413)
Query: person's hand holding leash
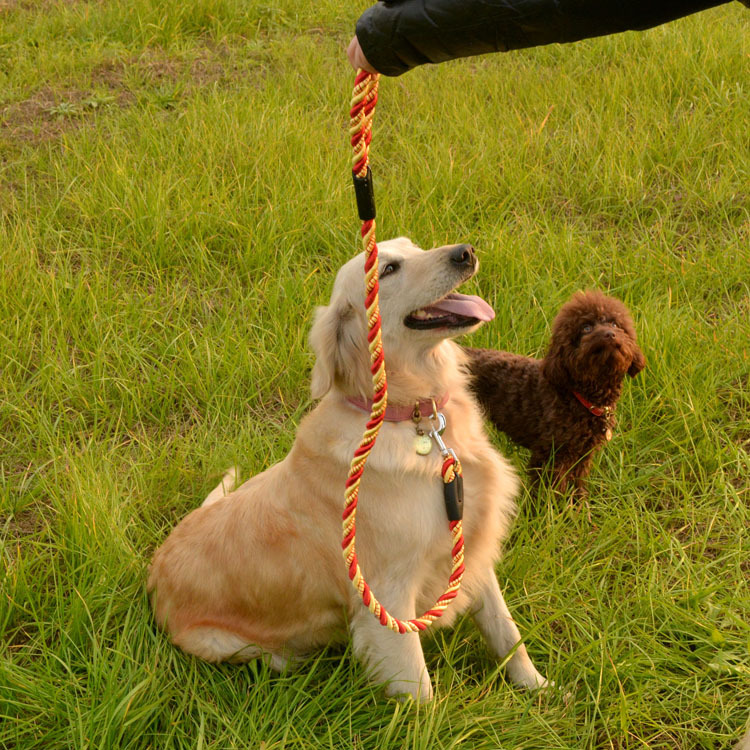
(357, 57)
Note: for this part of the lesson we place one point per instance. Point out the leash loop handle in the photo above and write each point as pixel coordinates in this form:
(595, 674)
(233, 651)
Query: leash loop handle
(364, 99)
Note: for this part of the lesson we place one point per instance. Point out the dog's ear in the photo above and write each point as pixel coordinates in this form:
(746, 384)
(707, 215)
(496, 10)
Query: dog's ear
(637, 364)
(339, 348)
(553, 367)
(323, 339)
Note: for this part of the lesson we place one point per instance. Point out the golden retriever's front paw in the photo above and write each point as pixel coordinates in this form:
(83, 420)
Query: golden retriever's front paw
(550, 688)
(541, 683)
(534, 681)
(403, 690)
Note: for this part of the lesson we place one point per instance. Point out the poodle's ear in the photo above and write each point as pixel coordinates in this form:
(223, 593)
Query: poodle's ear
(554, 369)
(338, 345)
(637, 364)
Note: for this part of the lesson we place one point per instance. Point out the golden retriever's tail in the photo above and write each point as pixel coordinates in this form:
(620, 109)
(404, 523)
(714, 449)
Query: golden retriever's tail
(227, 484)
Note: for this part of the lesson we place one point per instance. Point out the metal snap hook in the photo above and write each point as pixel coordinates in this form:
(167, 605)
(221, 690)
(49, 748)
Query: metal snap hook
(435, 434)
(439, 418)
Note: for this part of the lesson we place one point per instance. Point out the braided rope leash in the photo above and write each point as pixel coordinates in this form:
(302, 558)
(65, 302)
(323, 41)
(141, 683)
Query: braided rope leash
(364, 99)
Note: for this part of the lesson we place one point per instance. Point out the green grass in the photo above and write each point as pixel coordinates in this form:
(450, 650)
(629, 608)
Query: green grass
(174, 200)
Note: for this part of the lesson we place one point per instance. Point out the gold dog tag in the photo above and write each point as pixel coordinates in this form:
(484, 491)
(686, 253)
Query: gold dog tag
(422, 444)
(608, 434)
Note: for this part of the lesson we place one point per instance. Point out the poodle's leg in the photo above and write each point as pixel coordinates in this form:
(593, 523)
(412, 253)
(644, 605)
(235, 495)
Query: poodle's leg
(580, 494)
(538, 462)
(538, 469)
(561, 474)
(569, 467)
(578, 475)
(491, 614)
(391, 657)
(571, 472)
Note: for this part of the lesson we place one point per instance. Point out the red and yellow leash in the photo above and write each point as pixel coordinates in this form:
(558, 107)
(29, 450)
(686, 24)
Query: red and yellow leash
(364, 99)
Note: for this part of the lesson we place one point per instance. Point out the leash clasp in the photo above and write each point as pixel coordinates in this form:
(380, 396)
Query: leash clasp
(438, 419)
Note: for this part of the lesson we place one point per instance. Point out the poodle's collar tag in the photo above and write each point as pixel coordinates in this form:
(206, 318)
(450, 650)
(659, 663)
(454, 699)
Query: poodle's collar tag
(597, 411)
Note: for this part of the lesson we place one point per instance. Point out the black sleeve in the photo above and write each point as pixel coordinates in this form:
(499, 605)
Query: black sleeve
(398, 35)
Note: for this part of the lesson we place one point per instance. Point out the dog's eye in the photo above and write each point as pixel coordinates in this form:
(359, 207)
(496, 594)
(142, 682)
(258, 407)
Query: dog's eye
(586, 328)
(389, 268)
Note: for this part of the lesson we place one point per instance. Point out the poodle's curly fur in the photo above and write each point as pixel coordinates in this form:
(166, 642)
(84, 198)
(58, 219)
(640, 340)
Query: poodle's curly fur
(534, 401)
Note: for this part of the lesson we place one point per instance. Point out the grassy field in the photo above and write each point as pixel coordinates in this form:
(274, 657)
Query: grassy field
(174, 201)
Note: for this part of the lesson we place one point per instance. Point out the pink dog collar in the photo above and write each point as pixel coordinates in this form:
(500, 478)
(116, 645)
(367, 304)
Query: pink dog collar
(401, 413)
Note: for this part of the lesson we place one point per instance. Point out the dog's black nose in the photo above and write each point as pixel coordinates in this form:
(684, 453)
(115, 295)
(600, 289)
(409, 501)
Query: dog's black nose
(463, 255)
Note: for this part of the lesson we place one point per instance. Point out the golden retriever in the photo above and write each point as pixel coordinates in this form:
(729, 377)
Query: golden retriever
(259, 572)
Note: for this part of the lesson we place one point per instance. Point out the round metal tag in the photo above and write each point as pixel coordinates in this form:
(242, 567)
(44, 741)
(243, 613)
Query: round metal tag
(422, 444)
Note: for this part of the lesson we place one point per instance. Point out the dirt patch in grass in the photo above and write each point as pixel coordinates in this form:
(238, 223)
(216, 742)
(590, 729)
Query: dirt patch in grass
(16, 527)
(151, 79)
(49, 113)
(7, 6)
(38, 6)
(18, 640)
(22, 524)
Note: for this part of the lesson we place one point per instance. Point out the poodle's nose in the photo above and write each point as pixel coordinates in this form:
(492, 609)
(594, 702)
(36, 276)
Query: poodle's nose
(609, 334)
(463, 255)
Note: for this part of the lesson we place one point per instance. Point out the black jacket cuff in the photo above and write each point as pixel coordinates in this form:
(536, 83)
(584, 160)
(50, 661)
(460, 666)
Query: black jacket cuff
(398, 35)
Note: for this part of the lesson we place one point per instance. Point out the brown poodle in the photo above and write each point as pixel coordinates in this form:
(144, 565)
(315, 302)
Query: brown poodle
(562, 407)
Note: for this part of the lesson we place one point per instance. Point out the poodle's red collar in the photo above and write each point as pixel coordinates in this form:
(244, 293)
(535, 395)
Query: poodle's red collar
(597, 411)
(402, 413)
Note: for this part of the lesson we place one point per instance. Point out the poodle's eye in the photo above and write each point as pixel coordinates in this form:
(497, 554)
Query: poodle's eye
(586, 328)
(615, 323)
(389, 268)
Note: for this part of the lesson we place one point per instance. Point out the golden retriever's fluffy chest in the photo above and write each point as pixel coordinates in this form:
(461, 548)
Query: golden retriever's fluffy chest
(402, 524)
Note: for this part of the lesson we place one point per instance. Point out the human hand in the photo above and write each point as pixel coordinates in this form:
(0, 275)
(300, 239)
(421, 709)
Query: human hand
(357, 57)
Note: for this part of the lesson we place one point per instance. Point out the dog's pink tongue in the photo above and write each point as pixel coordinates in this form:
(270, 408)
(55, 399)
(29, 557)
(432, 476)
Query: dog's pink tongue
(466, 305)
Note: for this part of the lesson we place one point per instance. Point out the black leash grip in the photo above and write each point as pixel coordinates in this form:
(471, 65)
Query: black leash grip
(453, 492)
(365, 195)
